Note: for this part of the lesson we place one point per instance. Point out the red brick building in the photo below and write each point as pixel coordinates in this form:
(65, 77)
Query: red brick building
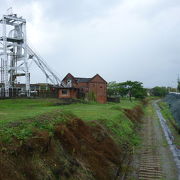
(80, 87)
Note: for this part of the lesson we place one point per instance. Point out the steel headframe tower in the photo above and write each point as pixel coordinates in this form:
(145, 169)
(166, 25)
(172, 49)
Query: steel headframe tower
(13, 53)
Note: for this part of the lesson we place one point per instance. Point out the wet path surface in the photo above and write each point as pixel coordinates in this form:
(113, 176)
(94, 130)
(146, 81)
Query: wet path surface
(150, 168)
(169, 138)
(156, 159)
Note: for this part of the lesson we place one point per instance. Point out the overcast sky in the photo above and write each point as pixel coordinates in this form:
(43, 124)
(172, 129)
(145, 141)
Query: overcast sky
(118, 39)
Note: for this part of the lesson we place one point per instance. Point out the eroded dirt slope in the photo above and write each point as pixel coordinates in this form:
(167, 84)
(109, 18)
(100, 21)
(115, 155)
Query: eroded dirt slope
(75, 150)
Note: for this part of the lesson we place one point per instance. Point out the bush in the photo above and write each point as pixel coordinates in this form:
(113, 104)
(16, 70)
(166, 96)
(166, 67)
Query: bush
(91, 96)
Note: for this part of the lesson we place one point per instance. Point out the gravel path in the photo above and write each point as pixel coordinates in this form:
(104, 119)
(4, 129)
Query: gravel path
(156, 159)
(150, 167)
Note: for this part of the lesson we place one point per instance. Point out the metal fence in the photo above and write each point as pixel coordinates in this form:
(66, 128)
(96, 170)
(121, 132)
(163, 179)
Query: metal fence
(19, 93)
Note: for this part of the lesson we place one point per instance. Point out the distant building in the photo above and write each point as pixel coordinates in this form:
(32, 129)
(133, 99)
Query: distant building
(80, 87)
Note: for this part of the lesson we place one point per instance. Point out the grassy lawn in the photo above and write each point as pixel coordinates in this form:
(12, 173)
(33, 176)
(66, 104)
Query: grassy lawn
(12, 110)
(99, 111)
(26, 111)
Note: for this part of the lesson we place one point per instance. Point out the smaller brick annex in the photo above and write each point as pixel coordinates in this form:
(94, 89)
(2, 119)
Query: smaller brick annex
(79, 87)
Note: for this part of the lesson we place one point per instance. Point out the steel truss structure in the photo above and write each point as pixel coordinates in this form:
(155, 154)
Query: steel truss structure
(15, 55)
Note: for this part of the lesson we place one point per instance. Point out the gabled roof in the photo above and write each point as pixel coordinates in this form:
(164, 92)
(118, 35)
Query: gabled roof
(99, 77)
(77, 79)
(82, 80)
(68, 75)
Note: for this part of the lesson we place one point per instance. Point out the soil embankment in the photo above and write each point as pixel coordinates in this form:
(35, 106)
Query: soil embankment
(75, 150)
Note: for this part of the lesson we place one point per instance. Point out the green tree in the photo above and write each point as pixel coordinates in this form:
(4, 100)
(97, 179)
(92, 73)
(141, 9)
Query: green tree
(131, 88)
(159, 91)
(112, 89)
(135, 89)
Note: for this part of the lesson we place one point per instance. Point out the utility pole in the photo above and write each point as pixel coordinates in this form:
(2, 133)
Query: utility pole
(178, 86)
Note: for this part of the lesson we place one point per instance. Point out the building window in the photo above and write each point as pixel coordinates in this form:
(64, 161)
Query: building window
(64, 92)
(69, 82)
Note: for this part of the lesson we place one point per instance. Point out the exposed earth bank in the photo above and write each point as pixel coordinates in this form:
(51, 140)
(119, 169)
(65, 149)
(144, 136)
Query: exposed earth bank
(75, 150)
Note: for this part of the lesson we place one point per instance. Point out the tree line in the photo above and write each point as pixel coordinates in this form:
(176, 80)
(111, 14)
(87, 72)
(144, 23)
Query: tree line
(129, 88)
(135, 89)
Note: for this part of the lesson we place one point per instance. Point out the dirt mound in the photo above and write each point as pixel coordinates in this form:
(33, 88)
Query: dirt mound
(75, 151)
(91, 145)
(135, 114)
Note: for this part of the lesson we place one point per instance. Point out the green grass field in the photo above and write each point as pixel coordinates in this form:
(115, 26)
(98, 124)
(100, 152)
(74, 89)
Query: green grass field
(18, 117)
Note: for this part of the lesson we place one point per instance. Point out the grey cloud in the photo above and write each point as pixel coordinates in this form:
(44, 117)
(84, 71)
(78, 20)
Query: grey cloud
(120, 39)
(79, 10)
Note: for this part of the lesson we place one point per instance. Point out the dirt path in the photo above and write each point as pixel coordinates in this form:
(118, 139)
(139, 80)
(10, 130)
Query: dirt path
(156, 160)
(150, 167)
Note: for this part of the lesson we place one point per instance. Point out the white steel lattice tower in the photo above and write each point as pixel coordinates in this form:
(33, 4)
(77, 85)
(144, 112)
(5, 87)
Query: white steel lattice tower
(13, 54)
